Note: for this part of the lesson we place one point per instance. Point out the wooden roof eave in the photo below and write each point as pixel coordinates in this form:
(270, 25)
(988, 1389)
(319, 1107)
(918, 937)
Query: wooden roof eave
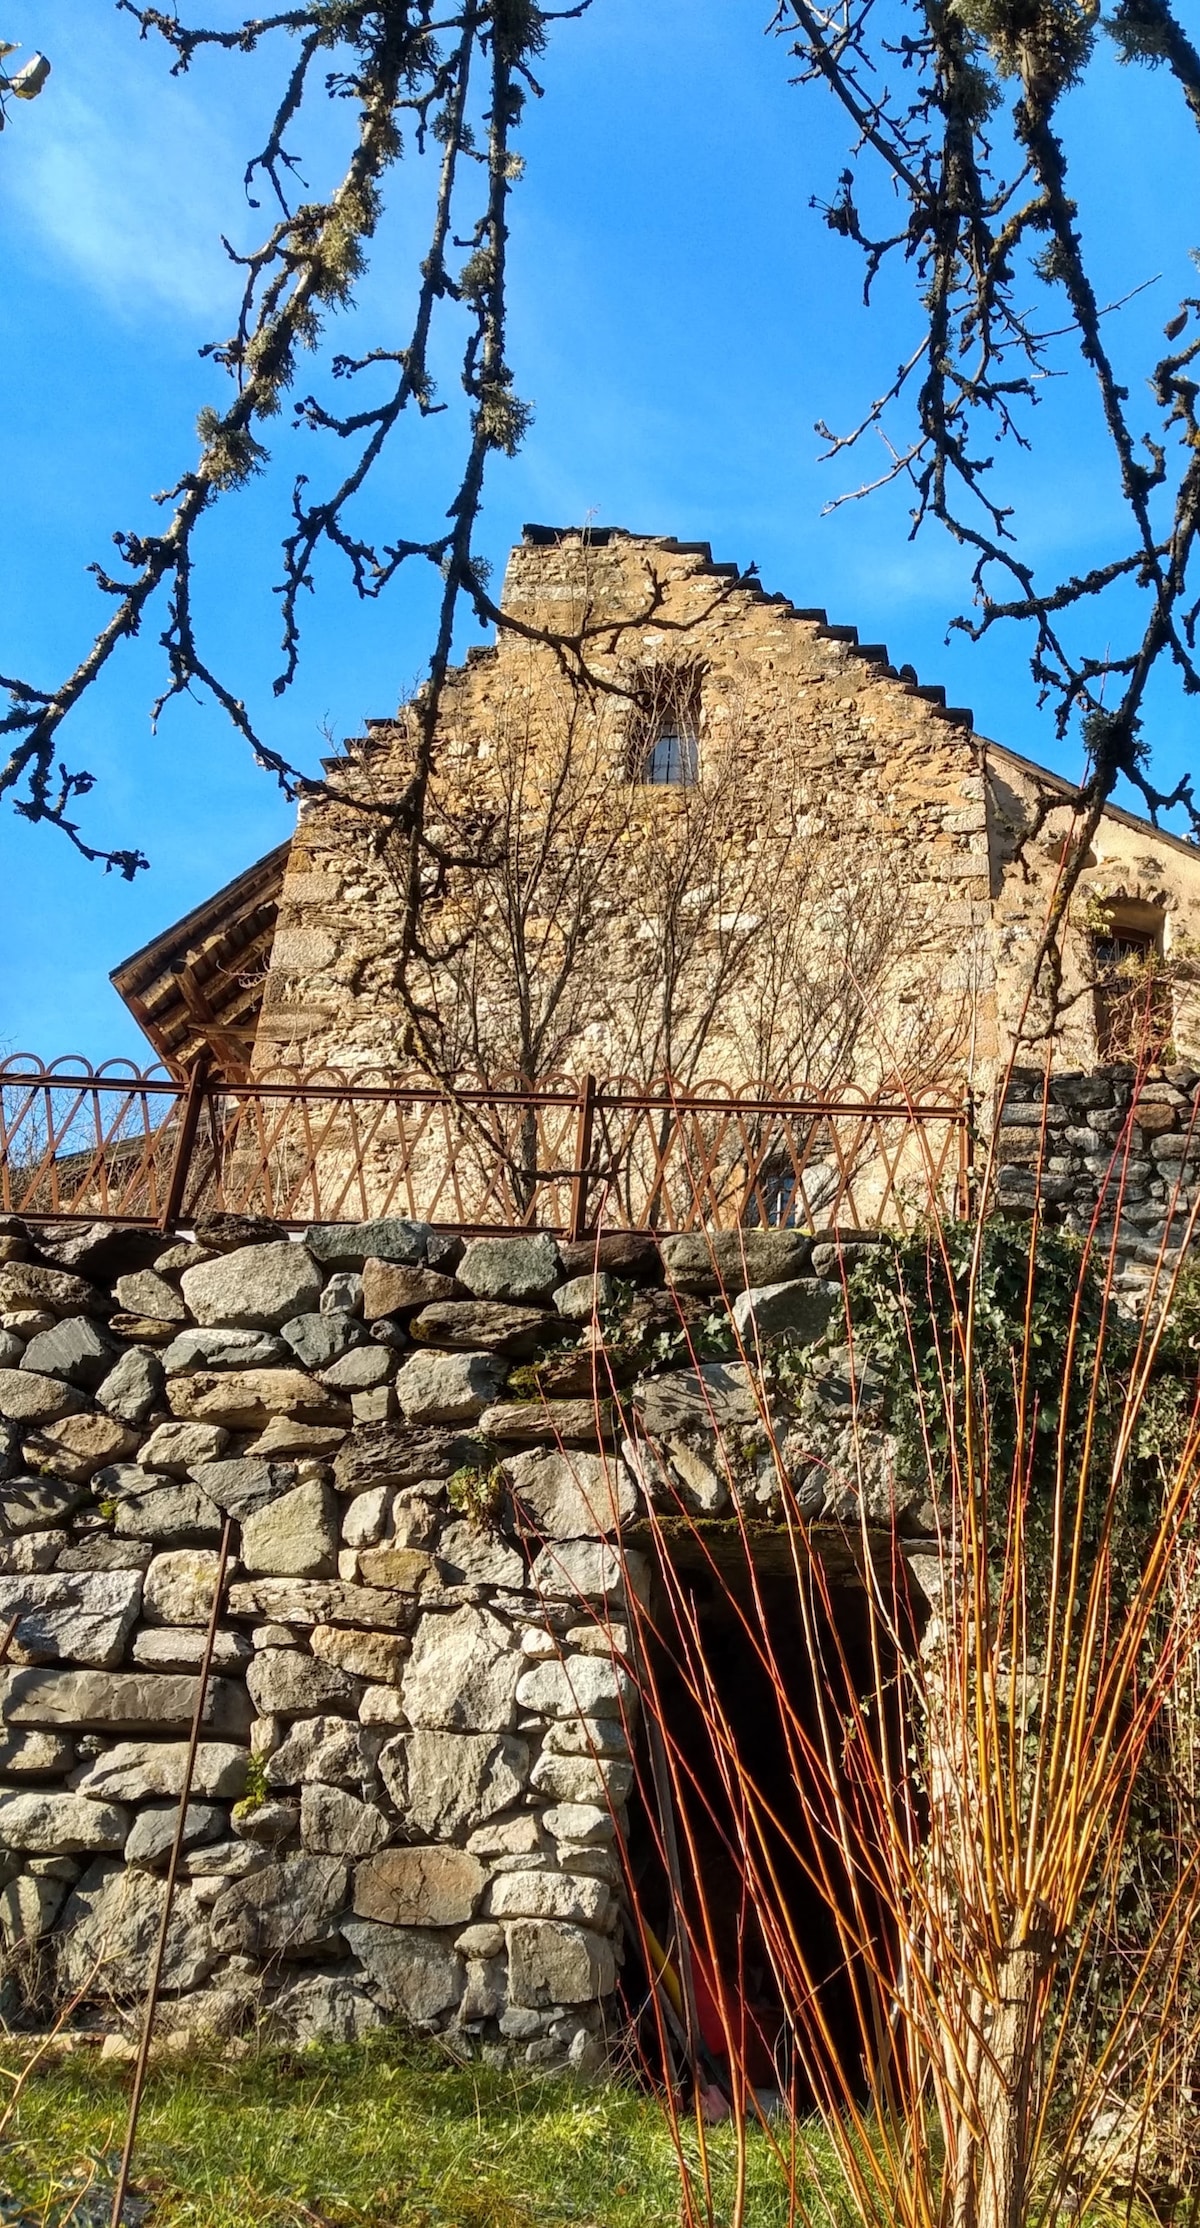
(187, 990)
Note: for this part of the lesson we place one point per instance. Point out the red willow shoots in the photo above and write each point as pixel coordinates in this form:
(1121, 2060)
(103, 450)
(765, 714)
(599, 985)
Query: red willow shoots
(957, 1804)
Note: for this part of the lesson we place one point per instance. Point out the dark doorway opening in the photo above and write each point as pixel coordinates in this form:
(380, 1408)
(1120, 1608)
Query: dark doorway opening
(757, 1907)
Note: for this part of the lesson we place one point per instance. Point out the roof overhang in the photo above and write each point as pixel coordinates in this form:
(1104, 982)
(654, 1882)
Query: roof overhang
(197, 988)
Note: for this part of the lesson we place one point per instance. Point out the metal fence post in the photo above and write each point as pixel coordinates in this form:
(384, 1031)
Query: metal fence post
(966, 1159)
(181, 1165)
(581, 1176)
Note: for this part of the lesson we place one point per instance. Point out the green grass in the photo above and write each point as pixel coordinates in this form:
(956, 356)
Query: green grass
(386, 2135)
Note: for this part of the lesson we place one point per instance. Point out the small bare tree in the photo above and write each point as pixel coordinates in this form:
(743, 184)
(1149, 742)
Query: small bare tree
(734, 924)
(738, 923)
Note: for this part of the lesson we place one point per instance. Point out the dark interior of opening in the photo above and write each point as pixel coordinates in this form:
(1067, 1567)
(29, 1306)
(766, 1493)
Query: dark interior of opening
(711, 1869)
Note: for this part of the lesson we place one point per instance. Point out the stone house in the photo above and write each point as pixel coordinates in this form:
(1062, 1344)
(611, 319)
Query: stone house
(742, 847)
(745, 846)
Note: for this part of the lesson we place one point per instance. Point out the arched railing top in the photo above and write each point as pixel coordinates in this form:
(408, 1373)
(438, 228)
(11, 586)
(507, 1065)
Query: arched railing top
(332, 1145)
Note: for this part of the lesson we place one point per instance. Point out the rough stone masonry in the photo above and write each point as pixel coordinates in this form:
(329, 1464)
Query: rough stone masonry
(417, 1748)
(420, 1737)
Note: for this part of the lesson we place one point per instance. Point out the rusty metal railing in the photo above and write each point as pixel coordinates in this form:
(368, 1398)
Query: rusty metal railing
(118, 1144)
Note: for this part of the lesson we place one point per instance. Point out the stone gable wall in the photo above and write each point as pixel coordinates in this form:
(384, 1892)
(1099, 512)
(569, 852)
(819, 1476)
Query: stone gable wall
(842, 814)
(832, 795)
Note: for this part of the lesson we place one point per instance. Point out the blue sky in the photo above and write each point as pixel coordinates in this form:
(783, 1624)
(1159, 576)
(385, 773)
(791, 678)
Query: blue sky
(680, 318)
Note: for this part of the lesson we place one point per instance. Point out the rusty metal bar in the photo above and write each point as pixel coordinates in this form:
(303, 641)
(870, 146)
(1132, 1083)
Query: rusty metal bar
(189, 1124)
(582, 1174)
(966, 1159)
(142, 2061)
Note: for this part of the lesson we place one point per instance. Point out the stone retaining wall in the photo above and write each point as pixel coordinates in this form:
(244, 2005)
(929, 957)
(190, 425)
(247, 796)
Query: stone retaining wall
(420, 1737)
(417, 1748)
(1102, 1142)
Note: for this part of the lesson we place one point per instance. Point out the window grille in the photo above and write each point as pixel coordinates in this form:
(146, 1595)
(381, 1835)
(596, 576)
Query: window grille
(1133, 1007)
(664, 733)
(674, 755)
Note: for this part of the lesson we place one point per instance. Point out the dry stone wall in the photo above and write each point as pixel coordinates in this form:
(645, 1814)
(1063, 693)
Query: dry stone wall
(438, 1459)
(418, 1744)
(1101, 1152)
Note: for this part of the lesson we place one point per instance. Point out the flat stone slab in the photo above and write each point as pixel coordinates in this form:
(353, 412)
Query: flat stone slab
(77, 1446)
(244, 1484)
(468, 1556)
(132, 1388)
(517, 1268)
(551, 1963)
(32, 1551)
(179, 1588)
(713, 1397)
(408, 1568)
(295, 1536)
(177, 1448)
(326, 1751)
(462, 1674)
(490, 1324)
(632, 1255)
(804, 1309)
(448, 1388)
(571, 1422)
(379, 1656)
(222, 1349)
(30, 1399)
(140, 1771)
(23, 1285)
(731, 1260)
(550, 1895)
(572, 1496)
(76, 1350)
(389, 1454)
(419, 1887)
(146, 1293)
(47, 1824)
(30, 1504)
(319, 1339)
(288, 1909)
(362, 1369)
(393, 1288)
(446, 1784)
(286, 1682)
(149, 1507)
(578, 1686)
(181, 1648)
(347, 1245)
(119, 1700)
(38, 1755)
(153, 1832)
(71, 1616)
(287, 1441)
(413, 1973)
(584, 1570)
(111, 1924)
(247, 1399)
(257, 1288)
(322, 1601)
(334, 1823)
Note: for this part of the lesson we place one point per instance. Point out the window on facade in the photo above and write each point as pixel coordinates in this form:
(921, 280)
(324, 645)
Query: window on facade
(674, 755)
(665, 727)
(1134, 1014)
